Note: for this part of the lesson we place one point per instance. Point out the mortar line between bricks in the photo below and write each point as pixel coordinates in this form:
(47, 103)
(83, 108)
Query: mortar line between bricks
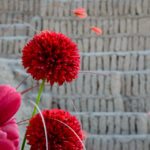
(7, 38)
(141, 52)
(127, 137)
(96, 72)
(93, 17)
(118, 53)
(15, 24)
(110, 114)
(104, 73)
(107, 98)
(120, 35)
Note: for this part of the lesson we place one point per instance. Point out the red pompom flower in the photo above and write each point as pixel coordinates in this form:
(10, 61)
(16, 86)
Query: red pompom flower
(52, 56)
(60, 137)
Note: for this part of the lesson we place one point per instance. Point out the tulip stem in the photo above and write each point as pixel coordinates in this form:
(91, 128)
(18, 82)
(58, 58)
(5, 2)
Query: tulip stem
(35, 109)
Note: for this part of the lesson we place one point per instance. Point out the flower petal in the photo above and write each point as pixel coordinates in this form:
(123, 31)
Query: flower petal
(96, 30)
(85, 134)
(4, 142)
(79, 10)
(10, 129)
(10, 101)
(44, 31)
(84, 15)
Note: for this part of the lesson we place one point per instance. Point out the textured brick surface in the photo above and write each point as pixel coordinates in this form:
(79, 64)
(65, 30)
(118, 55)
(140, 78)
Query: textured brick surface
(111, 94)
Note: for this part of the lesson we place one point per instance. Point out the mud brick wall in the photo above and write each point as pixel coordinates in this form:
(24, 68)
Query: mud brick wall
(111, 96)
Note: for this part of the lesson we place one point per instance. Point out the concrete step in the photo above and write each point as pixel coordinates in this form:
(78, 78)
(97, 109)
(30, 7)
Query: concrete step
(98, 83)
(95, 83)
(73, 26)
(11, 18)
(93, 103)
(118, 142)
(110, 25)
(63, 8)
(61, 19)
(104, 61)
(12, 45)
(111, 123)
(18, 9)
(126, 91)
(96, 7)
(105, 43)
(7, 30)
(96, 92)
(121, 61)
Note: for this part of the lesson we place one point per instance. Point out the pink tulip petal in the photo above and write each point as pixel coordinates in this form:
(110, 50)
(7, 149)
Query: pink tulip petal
(2, 134)
(96, 30)
(5, 144)
(9, 134)
(11, 128)
(10, 101)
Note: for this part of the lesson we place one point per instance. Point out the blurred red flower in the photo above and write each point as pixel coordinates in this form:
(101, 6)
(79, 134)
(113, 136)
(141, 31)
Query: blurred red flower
(84, 15)
(60, 137)
(52, 56)
(80, 12)
(96, 30)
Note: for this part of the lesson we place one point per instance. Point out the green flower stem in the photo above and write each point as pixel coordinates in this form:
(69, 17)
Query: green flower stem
(35, 109)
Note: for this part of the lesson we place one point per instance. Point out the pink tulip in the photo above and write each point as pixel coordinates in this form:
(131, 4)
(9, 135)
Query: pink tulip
(10, 101)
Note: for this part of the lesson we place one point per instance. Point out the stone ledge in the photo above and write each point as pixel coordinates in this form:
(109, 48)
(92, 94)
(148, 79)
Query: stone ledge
(137, 142)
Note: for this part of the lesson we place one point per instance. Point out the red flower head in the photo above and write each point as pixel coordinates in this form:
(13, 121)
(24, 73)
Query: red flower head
(60, 137)
(52, 56)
